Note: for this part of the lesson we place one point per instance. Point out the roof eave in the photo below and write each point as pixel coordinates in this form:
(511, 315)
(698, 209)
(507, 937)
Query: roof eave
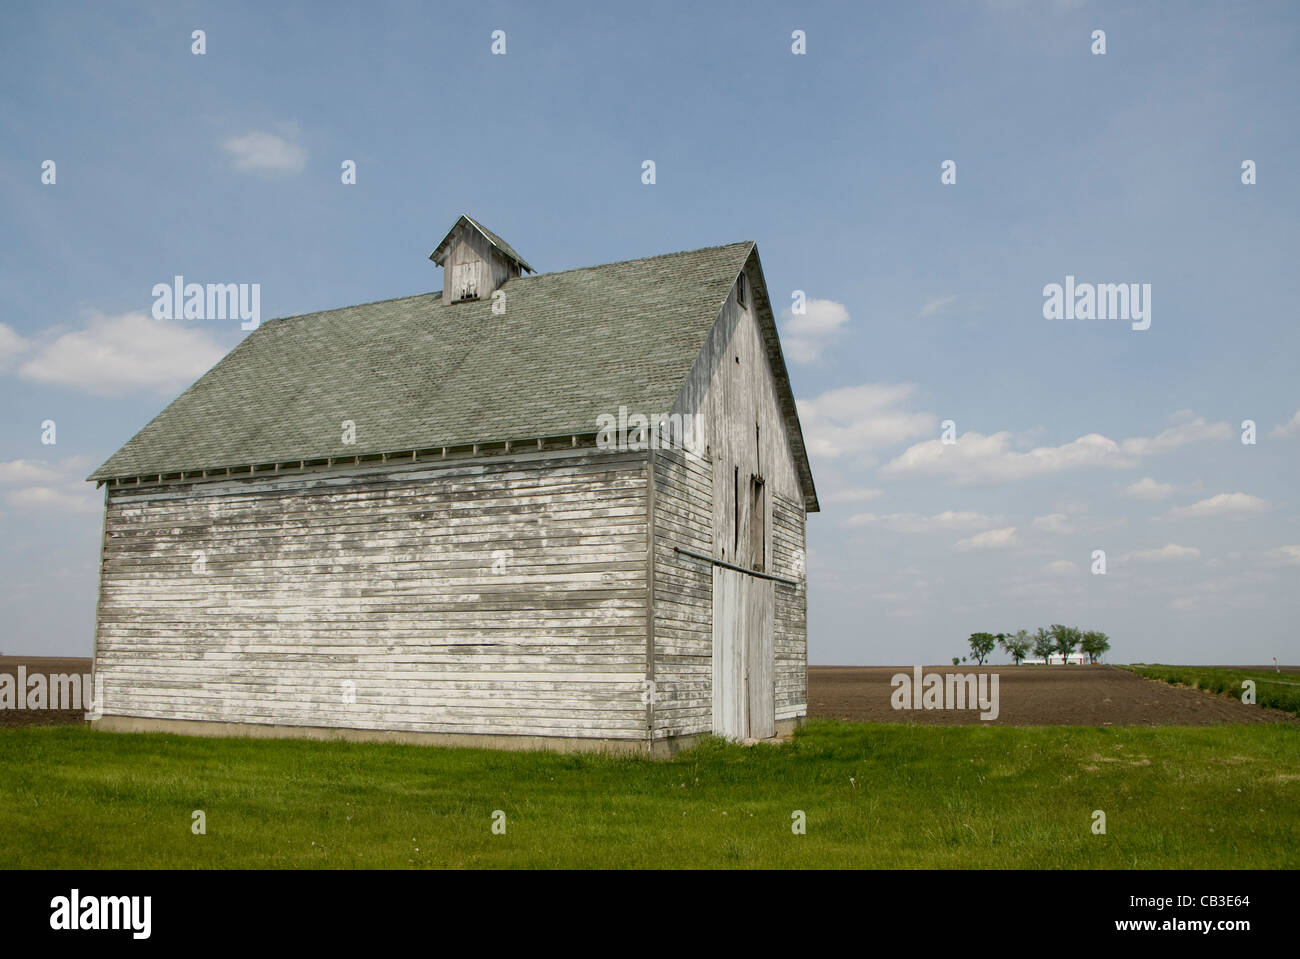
(789, 407)
(580, 439)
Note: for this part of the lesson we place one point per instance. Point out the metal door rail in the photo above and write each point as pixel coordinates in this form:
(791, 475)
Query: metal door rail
(739, 569)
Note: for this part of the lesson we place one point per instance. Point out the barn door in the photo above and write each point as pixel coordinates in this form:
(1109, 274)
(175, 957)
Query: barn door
(744, 668)
(744, 694)
(759, 660)
(465, 277)
(730, 695)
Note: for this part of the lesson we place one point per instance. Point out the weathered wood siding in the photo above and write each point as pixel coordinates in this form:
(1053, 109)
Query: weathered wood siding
(499, 598)
(471, 249)
(744, 684)
(791, 614)
(683, 596)
(732, 386)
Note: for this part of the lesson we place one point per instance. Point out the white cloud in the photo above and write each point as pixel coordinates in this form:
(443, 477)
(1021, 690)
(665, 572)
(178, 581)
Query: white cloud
(854, 419)
(1189, 429)
(1164, 553)
(25, 471)
(55, 500)
(1148, 489)
(1061, 567)
(11, 344)
(114, 355)
(805, 336)
(915, 523)
(990, 539)
(856, 494)
(1225, 504)
(1053, 523)
(263, 152)
(1290, 428)
(1284, 555)
(936, 305)
(50, 487)
(978, 458)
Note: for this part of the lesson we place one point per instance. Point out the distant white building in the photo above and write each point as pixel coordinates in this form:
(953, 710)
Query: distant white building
(1074, 659)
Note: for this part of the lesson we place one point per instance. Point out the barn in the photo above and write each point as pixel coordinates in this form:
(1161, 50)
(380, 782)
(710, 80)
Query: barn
(533, 510)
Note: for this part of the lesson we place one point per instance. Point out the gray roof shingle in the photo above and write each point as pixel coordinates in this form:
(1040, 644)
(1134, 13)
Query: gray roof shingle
(413, 373)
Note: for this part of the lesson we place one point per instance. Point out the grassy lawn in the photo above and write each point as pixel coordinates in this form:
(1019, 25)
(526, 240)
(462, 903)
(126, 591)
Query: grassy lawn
(1279, 690)
(874, 794)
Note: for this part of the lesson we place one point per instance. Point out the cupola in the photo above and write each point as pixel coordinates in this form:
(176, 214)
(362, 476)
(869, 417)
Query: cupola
(475, 262)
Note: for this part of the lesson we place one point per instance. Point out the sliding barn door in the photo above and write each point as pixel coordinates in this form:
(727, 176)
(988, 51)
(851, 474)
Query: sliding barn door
(760, 665)
(729, 696)
(744, 693)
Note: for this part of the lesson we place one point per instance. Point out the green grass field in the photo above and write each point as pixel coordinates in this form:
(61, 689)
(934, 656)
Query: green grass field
(1278, 690)
(874, 795)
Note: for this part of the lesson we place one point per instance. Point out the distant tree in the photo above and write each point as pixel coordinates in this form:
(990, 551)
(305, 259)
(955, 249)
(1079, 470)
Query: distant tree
(1066, 639)
(1043, 644)
(981, 644)
(1095, 644)
(1016, 646)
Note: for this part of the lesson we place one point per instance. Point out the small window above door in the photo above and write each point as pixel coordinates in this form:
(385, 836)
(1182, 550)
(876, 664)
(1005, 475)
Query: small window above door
(757, 540)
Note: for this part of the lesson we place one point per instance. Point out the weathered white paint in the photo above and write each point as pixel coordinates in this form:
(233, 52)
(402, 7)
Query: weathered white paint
(683, 604)
(790, 625)
(385, 580)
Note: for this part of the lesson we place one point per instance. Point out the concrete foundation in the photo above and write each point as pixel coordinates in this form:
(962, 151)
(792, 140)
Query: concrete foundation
(659, 749)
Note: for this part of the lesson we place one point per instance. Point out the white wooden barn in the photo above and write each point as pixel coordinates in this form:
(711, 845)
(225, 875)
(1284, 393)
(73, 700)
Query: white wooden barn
(413, 520)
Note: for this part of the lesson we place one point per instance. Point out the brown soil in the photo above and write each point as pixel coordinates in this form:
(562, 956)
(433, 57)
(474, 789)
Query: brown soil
(1033, 696)
(1028, 696)
(47, 665)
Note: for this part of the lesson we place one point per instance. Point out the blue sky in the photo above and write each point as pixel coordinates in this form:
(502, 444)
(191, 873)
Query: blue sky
(927, 298)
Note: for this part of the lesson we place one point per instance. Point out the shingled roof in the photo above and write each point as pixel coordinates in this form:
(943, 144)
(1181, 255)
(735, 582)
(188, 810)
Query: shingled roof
(413, 373)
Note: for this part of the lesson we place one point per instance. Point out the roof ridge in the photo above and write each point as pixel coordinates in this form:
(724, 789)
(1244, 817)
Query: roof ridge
(351, 306)
(638, 259)
(519, 279)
